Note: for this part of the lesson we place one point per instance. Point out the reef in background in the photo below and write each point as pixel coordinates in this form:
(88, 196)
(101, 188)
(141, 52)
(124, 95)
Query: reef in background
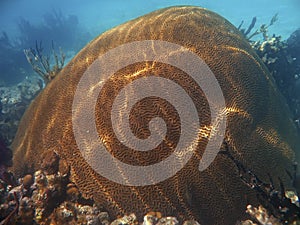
(64, 30)
(13, 102)
(282, 58)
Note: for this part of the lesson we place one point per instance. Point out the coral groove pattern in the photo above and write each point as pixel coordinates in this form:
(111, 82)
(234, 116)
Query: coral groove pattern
(259, 129)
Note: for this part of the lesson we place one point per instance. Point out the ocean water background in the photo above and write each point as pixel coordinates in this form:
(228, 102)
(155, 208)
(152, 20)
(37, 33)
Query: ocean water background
(100, 15)
(97, 16)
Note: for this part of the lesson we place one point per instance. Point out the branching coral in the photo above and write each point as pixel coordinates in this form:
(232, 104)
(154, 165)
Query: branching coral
(41, 63)
(262, 30)
(282, 59)
(55, 25)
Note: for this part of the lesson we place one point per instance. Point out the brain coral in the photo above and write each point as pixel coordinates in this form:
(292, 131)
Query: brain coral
(259, 129)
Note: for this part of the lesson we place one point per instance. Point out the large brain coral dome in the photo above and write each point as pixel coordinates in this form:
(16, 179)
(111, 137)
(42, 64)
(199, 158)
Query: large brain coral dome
(259, 129)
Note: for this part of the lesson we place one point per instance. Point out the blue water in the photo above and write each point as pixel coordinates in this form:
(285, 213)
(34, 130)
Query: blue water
(100, 15)
(84, 20)
(97, 16)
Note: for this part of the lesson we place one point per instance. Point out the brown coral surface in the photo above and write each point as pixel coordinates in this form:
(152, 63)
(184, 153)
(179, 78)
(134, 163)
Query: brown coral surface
(259, 129)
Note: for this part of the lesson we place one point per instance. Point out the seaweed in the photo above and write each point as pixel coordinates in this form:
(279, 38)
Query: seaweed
(41, 63)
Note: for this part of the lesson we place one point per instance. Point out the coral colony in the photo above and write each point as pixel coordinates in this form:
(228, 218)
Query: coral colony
(48, 193)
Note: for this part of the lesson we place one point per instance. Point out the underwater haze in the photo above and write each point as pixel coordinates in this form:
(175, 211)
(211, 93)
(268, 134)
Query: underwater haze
(173, 116)
(98, 16)
(71, 24)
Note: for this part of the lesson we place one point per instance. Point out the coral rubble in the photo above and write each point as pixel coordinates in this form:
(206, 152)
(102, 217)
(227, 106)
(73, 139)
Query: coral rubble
(253, 105)
(42, 198)
(48, 196)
